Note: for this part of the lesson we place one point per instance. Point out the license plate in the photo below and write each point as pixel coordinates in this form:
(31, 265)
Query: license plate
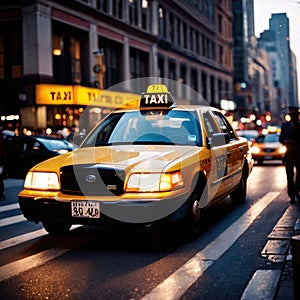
(85, 209)
(268, 157)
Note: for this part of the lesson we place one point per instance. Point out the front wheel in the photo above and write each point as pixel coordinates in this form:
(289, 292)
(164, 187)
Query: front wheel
(239, 194)
(56, 228)
(194, 218)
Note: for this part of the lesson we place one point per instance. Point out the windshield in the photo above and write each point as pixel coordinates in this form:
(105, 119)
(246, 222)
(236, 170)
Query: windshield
(148, 127)
(56, 144)
(270, 138)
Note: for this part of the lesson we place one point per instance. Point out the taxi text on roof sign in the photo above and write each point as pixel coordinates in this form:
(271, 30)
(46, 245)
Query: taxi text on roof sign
(157, 96)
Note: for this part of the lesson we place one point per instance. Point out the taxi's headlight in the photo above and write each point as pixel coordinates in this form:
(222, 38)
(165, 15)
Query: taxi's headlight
(42, 181)
(255, 149)
(282, 149)
(154, 182)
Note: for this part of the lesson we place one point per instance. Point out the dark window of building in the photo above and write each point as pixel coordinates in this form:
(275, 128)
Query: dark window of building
(221, 54)
(161, 67)
(183, 80)
(171, 27)
(178, 32)
(192, 42)
(102, 5)
(145, 16)
(117, 8)
(194, 80)
(220, 23)
(172, 76)
(212, 90)
(172, 70)
(185, 36)
(139, 61)
(69, 50)
(203, 86)
(11, 62)
(112, 53)
(133, 13)
(162, 22)
(197, 42)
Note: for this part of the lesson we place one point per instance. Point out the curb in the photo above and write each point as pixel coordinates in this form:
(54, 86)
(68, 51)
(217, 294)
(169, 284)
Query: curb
(269, 284)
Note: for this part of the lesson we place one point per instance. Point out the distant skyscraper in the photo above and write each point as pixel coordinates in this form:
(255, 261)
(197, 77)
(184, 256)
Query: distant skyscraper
(243, 30)
(277, 39)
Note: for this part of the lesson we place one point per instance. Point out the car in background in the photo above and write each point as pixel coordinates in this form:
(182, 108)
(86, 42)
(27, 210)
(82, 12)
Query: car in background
(23, 152)
(267, 147)
(250, 135)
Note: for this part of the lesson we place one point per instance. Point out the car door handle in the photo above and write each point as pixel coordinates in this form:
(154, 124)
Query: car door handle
(228, 154)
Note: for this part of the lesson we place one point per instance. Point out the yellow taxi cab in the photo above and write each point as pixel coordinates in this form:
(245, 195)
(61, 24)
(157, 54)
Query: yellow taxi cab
(155, 164)
(267, 147)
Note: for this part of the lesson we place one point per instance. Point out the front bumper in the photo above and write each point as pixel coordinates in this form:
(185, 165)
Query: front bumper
(123, 211)
(267, 156)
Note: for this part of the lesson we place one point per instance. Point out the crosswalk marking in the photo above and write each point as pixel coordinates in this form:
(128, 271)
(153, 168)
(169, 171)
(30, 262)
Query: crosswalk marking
(9, 207)
(12, 220)
(26, 237)
(178, 283)
(22, 239)
(22, 265)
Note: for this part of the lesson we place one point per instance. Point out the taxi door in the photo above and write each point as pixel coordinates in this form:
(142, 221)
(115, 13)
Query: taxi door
(234, 149)
(219, 180)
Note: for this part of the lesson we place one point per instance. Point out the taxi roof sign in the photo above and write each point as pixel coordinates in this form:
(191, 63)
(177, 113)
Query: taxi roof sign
(157, 97)
(157, 88)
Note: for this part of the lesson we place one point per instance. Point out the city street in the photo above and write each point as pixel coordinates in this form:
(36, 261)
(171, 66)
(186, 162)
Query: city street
(152, 263)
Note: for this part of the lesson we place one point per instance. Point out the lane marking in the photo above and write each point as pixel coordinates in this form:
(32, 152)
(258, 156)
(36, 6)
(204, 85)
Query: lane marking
(178, 283)
(26, 237)
(17, 267)
(22, 239)
(9, 207)
(22, 265)
(12, 220)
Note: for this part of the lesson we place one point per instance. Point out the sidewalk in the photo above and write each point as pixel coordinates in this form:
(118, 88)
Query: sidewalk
(285, 289)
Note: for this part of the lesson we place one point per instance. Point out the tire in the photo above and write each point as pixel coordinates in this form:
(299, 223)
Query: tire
(239, 194)
(56, 228)
(193, 223)
(260, 162)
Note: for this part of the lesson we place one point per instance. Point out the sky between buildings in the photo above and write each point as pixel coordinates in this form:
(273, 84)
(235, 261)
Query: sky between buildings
(262, 13)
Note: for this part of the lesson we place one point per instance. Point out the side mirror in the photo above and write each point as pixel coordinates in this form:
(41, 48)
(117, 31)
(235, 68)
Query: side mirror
(218, 139)
(78, 139)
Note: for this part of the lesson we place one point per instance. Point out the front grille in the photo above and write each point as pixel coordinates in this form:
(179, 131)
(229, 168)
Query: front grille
(91, 180)
(269, 150)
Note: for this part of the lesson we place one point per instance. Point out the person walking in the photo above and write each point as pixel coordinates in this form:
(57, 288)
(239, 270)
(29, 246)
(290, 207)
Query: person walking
(290, 137)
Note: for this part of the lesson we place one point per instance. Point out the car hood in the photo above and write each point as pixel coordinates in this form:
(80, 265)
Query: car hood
(137, 158)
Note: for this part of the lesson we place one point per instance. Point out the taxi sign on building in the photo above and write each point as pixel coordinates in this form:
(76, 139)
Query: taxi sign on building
(157, 97)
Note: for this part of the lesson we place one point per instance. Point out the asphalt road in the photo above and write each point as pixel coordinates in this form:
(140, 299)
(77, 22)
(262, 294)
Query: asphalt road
(150, 263)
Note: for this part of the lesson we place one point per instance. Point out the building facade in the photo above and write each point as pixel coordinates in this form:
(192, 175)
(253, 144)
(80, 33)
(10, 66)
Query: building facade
(55, 56)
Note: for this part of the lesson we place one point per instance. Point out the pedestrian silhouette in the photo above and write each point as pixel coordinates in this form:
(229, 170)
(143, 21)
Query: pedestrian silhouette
(290, 137)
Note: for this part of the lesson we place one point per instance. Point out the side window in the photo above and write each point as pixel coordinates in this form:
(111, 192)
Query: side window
(36, 146)
(224, 125)
(210, 125)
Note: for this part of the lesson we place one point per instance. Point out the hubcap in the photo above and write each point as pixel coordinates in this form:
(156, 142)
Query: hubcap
(196, 211)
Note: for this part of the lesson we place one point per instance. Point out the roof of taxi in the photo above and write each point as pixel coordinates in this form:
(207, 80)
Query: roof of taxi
(178, 107)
